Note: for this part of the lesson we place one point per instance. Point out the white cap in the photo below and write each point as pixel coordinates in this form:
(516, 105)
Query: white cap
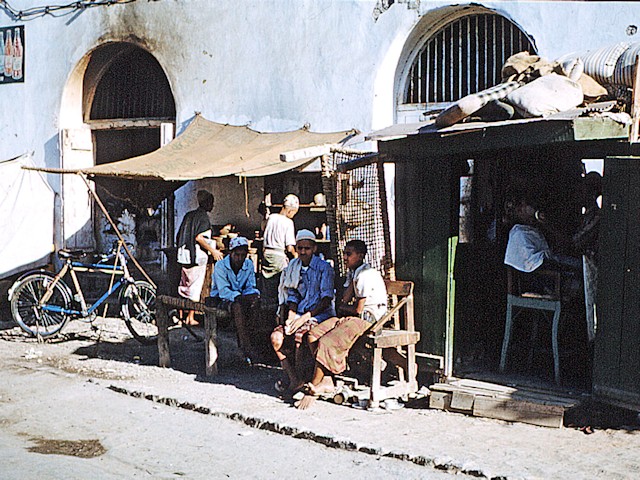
(305, 234)
(291, 201)
(238, 242)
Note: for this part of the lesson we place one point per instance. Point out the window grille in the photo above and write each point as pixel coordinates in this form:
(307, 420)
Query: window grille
(134, 86)
(463, 57)
(357, 209)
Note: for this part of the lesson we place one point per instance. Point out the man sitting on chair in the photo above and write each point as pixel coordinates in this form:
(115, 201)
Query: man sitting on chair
(528, 250)
(307, 286)
(363, 303)
(234, 289)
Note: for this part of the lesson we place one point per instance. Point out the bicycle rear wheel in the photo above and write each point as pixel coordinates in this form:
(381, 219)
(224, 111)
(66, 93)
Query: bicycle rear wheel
(32, 318)
(138, 310)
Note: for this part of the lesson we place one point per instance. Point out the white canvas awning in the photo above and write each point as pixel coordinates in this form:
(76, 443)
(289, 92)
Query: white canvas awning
(209, 149)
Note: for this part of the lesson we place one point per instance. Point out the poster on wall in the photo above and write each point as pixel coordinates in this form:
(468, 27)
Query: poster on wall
(11, 54)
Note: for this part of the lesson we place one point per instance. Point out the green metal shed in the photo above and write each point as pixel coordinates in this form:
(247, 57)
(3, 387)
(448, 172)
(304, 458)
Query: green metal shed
(450, 242)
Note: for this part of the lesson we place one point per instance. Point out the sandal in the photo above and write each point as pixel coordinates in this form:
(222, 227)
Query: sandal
(280, 386)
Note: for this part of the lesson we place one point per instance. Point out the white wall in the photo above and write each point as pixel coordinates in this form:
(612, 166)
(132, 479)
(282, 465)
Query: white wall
(274, 64)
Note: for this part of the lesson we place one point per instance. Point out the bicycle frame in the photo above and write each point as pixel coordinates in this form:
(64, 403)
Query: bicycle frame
(119, 267)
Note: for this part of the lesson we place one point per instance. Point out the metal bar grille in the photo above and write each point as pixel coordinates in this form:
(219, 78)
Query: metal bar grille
(134, 86)
(463, 57)
(357, 209)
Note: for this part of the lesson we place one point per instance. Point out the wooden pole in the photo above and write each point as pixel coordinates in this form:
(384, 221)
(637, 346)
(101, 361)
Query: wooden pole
(635, 105)
(115, 228)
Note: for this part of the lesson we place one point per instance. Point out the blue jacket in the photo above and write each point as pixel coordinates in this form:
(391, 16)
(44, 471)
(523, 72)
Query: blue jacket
(316, 283)
(227, 285)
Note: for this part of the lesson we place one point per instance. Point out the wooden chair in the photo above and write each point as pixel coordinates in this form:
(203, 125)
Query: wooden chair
(518, 297)
(395, 330)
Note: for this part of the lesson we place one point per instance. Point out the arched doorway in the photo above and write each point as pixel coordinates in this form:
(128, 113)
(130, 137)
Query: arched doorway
(454, 52)
(129, 107)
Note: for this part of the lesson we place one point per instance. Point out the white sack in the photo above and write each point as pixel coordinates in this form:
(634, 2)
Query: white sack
(546, 95)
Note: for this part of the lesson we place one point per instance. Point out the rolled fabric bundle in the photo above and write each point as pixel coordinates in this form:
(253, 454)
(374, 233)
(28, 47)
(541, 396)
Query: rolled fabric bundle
(572, 68)
(546, 95)
(525, 67)
(473, 102)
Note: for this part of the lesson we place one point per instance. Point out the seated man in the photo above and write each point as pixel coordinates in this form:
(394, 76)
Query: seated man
(234, 288)
(528, 250)
(363, 303)
(307, 284)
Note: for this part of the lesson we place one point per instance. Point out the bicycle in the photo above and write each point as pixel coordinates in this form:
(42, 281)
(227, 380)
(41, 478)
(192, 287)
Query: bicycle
(42, 303)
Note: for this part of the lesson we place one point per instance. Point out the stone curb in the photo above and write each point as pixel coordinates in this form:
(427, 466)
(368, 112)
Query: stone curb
(442, 464)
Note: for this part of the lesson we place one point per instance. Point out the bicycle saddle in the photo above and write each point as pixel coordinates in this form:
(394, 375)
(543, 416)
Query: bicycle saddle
(71, 253)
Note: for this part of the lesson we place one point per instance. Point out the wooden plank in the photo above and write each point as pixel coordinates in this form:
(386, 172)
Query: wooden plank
(612, 244)
(463, 401)
(469, 383)
(440, 400)
(596, 128)
(519, 411)
(635, 104)
(543, 398)
(630, 329)
(162, 321)
(395, 338)
(210, 343)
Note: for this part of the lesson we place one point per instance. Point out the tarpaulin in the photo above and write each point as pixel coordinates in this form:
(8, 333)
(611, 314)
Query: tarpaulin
(26, 207)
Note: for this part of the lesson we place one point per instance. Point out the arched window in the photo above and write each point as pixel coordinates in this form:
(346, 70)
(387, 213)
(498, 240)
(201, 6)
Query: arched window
(134, 86)
(465, 56)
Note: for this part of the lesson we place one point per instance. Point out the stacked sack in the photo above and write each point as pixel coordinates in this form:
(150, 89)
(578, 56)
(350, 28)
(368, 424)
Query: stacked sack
(531, 87)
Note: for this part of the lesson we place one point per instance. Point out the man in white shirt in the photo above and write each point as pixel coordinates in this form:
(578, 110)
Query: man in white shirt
(528, 250)
(279, 245)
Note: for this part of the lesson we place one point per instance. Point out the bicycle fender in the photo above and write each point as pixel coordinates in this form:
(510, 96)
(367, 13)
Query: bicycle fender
(26, 274)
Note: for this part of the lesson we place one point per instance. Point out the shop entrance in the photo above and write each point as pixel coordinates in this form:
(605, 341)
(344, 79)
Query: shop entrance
(130, 109)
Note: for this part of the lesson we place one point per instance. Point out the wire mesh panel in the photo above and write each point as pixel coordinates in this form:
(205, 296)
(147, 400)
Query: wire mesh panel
(357, 208)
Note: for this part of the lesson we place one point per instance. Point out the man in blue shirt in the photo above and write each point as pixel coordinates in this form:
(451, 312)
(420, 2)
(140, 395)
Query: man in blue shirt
(233, 288)
(308, 286)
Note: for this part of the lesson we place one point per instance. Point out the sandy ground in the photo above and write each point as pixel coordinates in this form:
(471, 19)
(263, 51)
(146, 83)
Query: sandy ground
(449, 442)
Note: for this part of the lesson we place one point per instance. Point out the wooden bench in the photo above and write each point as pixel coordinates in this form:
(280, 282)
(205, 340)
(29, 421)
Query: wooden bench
(164, 304)
(395, 330)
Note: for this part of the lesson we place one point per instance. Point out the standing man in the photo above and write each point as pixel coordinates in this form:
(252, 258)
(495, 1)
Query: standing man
(308, 283)
(234, 289)
(279, 245)
(194, 246)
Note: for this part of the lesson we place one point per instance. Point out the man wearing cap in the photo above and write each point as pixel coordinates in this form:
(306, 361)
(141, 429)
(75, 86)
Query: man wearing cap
(233, 288)
(279, 244)
(308, 289)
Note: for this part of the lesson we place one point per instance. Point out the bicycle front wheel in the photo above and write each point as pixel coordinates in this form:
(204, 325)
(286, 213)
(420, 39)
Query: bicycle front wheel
(35, 319)
(138, 309)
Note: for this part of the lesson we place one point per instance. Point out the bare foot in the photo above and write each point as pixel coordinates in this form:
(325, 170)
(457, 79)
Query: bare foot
(305, 402)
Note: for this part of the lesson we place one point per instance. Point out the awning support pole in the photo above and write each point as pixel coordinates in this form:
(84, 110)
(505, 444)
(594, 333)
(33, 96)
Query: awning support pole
(115, 228)
(635, 104)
